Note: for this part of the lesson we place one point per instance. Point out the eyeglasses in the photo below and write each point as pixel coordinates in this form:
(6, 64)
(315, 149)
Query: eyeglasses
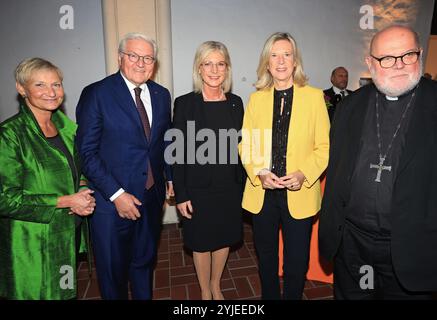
(208, 66)
(389, 61)
(133, 57)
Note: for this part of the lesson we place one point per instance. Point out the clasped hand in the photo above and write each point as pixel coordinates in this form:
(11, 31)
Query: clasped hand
(82, 203)
(292, 181)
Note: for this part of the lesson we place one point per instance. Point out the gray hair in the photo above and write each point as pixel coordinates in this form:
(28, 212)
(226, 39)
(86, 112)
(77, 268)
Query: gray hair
(201, 53)
(137, 36)
(28, 66)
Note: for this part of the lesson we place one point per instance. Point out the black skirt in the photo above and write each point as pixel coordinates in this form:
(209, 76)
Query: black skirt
(216, 219)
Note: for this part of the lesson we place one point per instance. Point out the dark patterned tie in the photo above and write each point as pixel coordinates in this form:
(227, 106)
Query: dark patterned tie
(343, 94)
(146, 126)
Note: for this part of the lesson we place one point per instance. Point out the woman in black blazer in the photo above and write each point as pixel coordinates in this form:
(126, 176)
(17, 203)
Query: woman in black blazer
(208, 181)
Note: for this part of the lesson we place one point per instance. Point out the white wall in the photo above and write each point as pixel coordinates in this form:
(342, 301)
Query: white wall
(327, 32)
(31, 28)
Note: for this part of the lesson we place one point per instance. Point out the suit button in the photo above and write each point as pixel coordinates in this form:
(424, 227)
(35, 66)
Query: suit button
(340, 227)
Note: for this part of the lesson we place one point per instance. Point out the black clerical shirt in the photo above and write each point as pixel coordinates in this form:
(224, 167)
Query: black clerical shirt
(280, 126)
(369, 207)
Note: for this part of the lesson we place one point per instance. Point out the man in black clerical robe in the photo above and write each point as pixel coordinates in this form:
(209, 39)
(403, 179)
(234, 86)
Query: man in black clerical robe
(378, 221)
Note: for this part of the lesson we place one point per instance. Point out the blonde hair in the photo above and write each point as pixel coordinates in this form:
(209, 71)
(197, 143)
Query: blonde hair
(265, 79)
(201, 53)
(25, 68)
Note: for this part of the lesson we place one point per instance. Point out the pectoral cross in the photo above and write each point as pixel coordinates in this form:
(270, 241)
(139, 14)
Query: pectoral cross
(380, 167)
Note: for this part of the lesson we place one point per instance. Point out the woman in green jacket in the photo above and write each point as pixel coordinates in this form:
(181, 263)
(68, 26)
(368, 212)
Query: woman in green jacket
(39, 190)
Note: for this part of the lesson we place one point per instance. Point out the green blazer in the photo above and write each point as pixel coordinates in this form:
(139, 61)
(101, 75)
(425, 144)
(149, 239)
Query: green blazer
(36, 238)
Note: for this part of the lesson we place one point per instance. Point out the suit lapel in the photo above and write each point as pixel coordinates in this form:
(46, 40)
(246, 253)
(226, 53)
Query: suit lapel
(233, 111)
(267, 115)
(354, 127)
(125, 102)
(330, 93)
(199, 111)
(155, 102)
(264, 122)
(422, 121)
(295, 121)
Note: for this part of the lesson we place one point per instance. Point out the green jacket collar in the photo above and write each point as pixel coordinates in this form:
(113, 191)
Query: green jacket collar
(64, 125)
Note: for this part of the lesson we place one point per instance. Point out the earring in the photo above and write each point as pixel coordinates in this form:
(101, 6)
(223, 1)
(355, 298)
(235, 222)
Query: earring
(24, 96)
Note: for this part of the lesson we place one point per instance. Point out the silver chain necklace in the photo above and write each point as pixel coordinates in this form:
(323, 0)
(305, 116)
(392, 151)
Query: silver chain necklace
(380, 166)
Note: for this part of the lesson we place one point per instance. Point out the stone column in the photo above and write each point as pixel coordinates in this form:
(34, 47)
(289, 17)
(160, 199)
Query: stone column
(152, 18)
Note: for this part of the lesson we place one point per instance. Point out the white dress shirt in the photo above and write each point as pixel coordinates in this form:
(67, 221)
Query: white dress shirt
(145, 97)
(338, 91)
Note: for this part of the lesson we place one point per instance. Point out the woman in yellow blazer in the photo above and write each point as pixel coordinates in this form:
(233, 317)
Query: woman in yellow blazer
(284, 149)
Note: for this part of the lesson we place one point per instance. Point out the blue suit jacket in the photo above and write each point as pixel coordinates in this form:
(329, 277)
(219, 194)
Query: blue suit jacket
(111, 140)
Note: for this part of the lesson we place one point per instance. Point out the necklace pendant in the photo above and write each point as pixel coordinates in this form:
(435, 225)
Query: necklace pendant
(380, 167)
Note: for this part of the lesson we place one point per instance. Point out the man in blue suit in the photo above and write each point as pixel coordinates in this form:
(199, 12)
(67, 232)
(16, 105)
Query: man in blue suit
(121, 124)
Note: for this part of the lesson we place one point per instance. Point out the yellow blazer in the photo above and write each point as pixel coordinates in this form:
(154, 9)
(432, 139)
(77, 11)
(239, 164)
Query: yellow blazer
(307, 148)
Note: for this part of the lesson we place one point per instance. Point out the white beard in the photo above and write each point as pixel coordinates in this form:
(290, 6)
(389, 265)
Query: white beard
(388, 90)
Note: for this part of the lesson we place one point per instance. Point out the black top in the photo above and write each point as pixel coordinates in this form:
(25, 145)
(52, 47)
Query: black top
(280, 127)
(190, 108)
(57, 142)
(370, 204)
(218, 118)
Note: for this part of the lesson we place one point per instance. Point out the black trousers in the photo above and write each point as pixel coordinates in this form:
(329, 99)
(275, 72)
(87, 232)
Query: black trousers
(363, 269)
(296, 238)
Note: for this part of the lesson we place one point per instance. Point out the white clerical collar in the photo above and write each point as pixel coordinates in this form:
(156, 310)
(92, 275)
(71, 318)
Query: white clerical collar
(391, 98)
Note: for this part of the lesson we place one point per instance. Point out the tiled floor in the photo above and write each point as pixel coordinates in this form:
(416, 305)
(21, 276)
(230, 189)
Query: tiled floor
(175, 277)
